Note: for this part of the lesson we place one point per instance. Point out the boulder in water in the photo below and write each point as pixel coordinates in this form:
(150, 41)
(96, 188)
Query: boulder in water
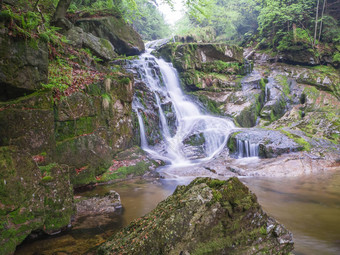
(108, 203)
(271, 143)
(208, 216)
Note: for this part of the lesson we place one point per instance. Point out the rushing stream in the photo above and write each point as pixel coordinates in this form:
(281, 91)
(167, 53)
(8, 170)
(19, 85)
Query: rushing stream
(188, 120)
(309, 206)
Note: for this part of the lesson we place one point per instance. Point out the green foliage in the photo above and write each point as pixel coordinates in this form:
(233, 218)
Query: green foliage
(59, 75)
(336, 57)
(107, 97)
(299, 140)
(25, 21)
(147, 20)
(123, 172)
(294, 40)
(220, 21)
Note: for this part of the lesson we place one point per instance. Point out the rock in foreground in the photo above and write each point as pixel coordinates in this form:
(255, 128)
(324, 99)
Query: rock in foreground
(206, 217)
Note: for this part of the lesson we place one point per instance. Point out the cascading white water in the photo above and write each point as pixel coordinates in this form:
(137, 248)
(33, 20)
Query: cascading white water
(245, 149)
(190, 120)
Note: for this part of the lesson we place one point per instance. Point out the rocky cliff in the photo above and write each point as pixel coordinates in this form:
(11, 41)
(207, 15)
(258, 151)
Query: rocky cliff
(64, 114)
(208, 216)
(301, 102)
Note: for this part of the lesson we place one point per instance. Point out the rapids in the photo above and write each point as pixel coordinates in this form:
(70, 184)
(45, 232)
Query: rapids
(190, 120)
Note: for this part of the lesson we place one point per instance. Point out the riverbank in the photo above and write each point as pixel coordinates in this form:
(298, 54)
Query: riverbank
(307, 205)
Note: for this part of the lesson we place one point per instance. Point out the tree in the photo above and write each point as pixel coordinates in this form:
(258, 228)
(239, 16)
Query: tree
(61, 10)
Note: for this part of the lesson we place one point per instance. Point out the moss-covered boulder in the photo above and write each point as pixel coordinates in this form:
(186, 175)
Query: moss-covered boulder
(271, 143)
(23, 66)
(301, 55)
(205, 66)
(31, 198)
(28, 122)
(206, 217)
(100, 47)
(121, 35)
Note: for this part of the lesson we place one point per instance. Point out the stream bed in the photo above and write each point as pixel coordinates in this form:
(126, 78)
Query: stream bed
(309, 206)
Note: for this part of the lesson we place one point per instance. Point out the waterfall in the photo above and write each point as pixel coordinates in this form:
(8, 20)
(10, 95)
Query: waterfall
(162, 87)
(143, 141)
(246, 149)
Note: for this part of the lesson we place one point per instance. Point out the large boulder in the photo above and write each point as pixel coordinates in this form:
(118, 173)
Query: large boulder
(208, 216)
(206, 67)
(28, 122)
(271, 143)
(100, 47)
(31, 198)
(121, 35)
(23, 66)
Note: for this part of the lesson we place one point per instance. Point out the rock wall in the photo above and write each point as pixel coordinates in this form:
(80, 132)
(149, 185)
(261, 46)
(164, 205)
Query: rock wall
(48, 147)
(208, 216)
(200, 65)
(121, 35)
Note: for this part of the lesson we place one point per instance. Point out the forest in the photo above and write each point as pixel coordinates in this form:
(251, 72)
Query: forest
(169, 127)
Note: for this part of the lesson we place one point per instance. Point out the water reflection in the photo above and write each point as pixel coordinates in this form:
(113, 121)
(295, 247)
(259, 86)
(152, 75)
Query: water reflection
(309, 206)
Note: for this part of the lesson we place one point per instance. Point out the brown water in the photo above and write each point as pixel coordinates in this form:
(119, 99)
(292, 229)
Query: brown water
(309, 206)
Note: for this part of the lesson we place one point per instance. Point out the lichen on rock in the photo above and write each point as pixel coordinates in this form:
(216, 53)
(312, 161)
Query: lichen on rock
(208, 216)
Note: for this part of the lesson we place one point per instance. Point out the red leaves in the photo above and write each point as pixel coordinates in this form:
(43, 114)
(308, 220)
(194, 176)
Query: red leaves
(78, 170)
(118, 164)
(38, 158)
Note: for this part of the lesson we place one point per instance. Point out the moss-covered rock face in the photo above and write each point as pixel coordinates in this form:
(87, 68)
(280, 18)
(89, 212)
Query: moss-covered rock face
(100, 47)
(271, 143)
(121, 35)
(30, 198)
(91, 127)
(23, 67)
(206, 217)
(28, 122)
(206, 68)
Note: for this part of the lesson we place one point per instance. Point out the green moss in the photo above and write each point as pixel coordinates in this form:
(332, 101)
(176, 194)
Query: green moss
(47, 179)
(125, 81)
(123, 172)
(263, 83)
(299, 140)
(211, 105)
(47, 169)
(232, 142)
(283, 80)
(213, 247)
(19, 218)
(73, 128)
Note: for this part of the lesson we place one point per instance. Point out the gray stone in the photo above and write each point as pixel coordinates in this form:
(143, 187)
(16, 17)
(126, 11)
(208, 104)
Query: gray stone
(121, 35)
(109, 203)
(100, 47)
(272, 143)
(208, 216)
(23, 66)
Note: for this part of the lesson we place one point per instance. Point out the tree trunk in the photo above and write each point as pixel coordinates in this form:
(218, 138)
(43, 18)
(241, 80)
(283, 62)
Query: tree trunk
(323, 10)
(294, 32)
(316, 21)
(61, 9)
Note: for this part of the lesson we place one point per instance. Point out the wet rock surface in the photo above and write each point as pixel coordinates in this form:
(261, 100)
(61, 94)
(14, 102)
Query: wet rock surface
(109, 203)
(100, 47)
(206, 217)
(121, 35)
(271, 143)
(23, 68)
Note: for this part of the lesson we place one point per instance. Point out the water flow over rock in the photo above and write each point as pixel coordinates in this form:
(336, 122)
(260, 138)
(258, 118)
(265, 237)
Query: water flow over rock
(247, 149)
(165, 112)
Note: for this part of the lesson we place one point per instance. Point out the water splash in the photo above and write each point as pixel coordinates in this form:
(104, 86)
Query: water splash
(162, 80)
(245, 149)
